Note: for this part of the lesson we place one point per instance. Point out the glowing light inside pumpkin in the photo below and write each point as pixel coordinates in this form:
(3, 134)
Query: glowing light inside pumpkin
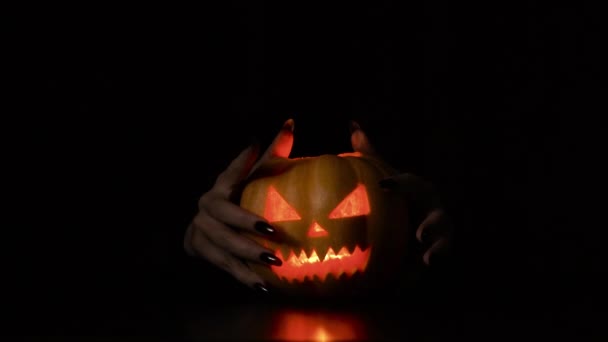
(277, 208)
(316, 230)
(302, 266)
(355, 204)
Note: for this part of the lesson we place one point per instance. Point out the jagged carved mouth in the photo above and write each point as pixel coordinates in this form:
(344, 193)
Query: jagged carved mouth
(302, 266)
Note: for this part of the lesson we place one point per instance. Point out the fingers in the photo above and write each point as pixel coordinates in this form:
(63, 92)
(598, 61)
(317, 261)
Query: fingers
(436, 228)
(359, 140)
(437, 248)
(224, 260)
(432, 226)
(237, 217)
(234, 243)
(280, 146)
(436, 231)
(236, 171)
(211, 233)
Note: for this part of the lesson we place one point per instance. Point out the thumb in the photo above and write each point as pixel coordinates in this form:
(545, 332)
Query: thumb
(359, 140)
(280, 146)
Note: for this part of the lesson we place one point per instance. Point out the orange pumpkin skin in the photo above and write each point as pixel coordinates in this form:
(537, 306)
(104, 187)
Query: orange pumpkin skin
(340, 232)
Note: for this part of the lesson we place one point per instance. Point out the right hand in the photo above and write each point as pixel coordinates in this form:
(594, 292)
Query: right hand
(214, 232)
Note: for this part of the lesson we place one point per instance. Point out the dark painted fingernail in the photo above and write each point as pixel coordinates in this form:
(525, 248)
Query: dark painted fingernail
(289, 125)
(264, 228)
(388, 183)
(271, 259)
(353, 126)
(260, 288)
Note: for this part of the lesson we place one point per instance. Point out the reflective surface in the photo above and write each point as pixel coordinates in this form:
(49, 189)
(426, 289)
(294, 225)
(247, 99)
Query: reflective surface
(387, 321)
(305, 325)
(304, 322)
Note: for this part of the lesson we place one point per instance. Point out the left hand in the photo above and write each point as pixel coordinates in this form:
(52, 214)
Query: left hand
(435, 231)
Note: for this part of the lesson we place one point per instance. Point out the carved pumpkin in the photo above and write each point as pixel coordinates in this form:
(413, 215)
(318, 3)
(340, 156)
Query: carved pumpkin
(341, 232)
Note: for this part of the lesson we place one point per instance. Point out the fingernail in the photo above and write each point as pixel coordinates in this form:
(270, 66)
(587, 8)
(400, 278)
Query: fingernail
(289, 125)
(260, 288)
(388, 183)
(270, 259)
(353, 126)
(264, 228)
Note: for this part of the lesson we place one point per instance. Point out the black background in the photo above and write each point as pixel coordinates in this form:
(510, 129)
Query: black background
(118, 119)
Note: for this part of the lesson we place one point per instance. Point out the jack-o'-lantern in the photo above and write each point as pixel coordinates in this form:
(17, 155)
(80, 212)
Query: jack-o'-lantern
(341, 233)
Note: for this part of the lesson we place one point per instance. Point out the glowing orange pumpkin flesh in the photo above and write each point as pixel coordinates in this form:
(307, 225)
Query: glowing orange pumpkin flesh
(302, 266)
(316, 230)
(298, 268)
(355, 204)
(277, 208)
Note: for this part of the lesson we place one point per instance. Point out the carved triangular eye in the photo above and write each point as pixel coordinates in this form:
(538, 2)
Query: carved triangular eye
(277, 208)
(355, 204)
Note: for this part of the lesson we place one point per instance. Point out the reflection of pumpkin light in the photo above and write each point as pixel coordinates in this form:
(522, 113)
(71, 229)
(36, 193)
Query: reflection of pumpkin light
(321, 335)
(303, 326)
(303, 266)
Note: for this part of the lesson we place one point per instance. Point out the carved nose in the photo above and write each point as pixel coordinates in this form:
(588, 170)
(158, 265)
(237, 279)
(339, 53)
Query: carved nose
(316, 230)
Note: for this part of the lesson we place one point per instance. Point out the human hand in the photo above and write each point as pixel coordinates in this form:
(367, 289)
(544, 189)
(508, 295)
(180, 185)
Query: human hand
(435, 230)
(214, 232)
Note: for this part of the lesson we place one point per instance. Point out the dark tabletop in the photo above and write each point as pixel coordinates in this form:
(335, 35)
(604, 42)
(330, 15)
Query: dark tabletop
(369, 322)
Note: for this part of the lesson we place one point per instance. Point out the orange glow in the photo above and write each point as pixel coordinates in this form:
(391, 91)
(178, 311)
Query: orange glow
(317, 327)
(282, 143)
(277, 208)
(350, 154)
(316, 230)
(355, 204)
(302, 266)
